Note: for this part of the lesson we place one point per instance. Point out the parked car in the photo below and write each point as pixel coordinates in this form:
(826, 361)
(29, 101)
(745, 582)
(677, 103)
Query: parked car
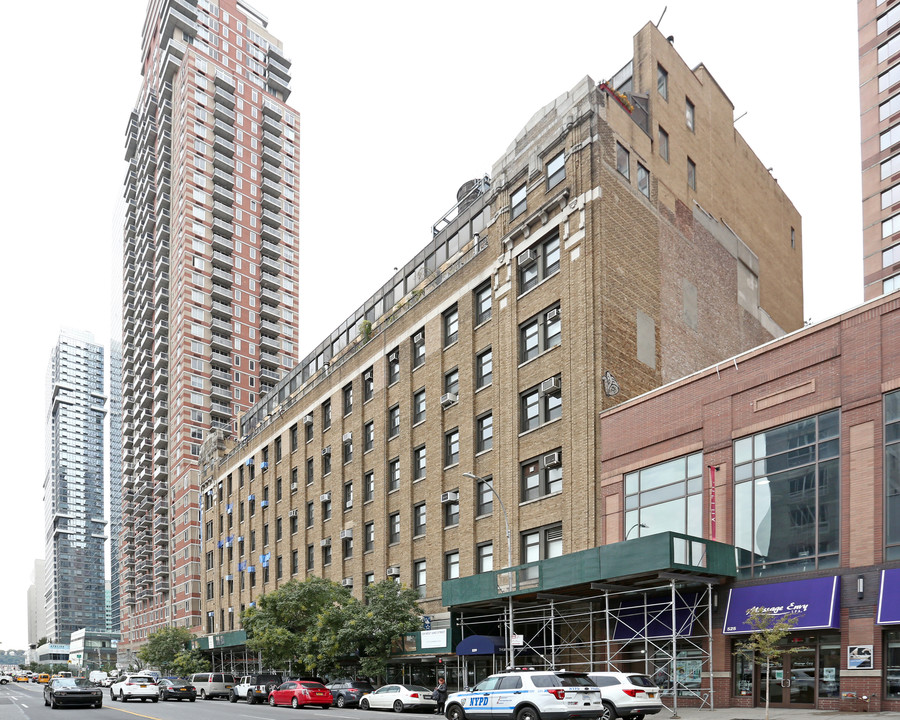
(299, 693)
(399, 698)
(255, 688)
(528, 695)
(212, 684)
(72, 692)
(630, 695)
(346, 693)
(176, 690)
(4, 678)
(134, 687)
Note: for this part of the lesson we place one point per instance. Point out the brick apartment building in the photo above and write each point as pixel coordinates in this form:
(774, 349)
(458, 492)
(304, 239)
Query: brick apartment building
(627, 237)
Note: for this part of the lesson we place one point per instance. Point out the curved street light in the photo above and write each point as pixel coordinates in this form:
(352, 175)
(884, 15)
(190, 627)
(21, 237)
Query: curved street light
(639, 524)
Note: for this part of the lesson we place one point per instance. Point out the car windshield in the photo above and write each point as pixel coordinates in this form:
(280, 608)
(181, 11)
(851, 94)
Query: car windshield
(64, 682)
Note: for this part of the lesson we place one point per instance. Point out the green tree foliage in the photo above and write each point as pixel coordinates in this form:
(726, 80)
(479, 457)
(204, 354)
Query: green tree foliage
(164, 646)
(391, 610)
(188, 662)
(765, 646)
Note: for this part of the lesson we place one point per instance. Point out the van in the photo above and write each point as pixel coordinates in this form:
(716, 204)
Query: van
(44, 678)
(64, 673)
(212, 684)
(97, 677)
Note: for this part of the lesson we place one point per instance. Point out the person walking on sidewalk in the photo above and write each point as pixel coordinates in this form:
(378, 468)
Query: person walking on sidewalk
(440, 695)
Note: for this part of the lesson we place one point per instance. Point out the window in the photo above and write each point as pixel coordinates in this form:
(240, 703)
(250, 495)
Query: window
(325, 499)
(540, 404)
(277, 449)
(419, 519)
(890, 197)
(369, 486)
(540, 333)
(518, 202)
(348, 399)
(485, 557)
(888, 79)
(691, 174)
(394, 528)
(451, 326)
(451, 448)
(484, 368)
(451, 382)
(393, 366)
(623, 161)
(451, 565)
(892, 476)
(643, 180)
(310, 513)
(394, 474)
(368, 436)
(886, 21)
(787, 498)
(310, 470)
(369, 537)
(347, 447)
(326, 461)
(348, 495)
(295, 562)
(278, 528)
(294, 524)
(890, 107)
(347, 547)
(368, 385)
(279, 566)
(484, 432)
(556, 170)
(663, 144)
(326, 415)
(394, 421)
(540, 544)
(419, 406)
(419, 578)
(418, 349)
(310, 558)
(451, 512)
(484, 497)
(662, 82)
(689, 114)
(483, 303)
(538, 263)
(541, 476)
(419, 460)
(666, 496)
(309, 430)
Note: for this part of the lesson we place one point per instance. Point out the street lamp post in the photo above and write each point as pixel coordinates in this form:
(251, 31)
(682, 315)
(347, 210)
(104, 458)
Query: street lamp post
(639, 524)
(510, 633)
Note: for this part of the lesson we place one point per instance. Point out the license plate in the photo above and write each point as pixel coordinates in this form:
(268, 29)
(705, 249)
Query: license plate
(228, 687)
(651, 695)
(143, 686)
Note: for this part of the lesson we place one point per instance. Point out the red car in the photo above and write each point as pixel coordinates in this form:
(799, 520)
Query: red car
(298, 693)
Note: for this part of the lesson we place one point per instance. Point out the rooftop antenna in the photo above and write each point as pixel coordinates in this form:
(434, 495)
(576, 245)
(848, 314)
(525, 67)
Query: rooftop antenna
(666, 7)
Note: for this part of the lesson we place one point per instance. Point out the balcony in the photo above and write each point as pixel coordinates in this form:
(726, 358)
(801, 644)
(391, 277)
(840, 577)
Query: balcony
(161, 409)
(224, 80)
(222, 326)
(278, 84)
(223, 194)
(222, 277)
(223, 178)
(271, 234)
(220, 393)
(271, 202)
(222, 243)
(221, 293)
(160, 440)
(182, 15)
(273, 172)
(276, 67)
(269, 359)
(220, 343)
(223, 211)
(222, 261)
(272, 109)
(270, 297)
(222, 228)
(161, 508)
(160, 472)
(224, 129)
(272, 125)
(271, 344)
(271, 140)
(272, 219)
(220, 409)
(268, 280)
(161, 394)
(223, 113)
(271, 156)
(274, 375)
(224, 96)
(220, 360)
(272, 187)
(223, 162)
(270, 328)
(269, 312)
(270, 250)
(221, 310)
(223, 145)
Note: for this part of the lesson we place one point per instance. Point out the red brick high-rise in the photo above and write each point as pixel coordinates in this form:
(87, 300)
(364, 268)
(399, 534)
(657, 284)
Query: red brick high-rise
(209, 271)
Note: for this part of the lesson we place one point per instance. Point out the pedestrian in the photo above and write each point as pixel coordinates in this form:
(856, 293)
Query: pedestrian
(440, 695)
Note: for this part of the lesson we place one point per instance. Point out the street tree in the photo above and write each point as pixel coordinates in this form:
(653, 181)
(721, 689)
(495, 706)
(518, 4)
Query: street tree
(188, 662)
(164, 646)
(765, 645)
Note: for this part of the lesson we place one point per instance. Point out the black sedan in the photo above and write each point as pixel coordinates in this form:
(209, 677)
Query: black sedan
(61, 692)
(176, 690)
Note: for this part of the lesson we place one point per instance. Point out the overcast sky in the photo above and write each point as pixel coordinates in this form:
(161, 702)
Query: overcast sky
(400, 103)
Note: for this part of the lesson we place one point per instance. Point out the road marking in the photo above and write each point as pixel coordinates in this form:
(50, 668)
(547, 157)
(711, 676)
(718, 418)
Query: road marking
(131, 712)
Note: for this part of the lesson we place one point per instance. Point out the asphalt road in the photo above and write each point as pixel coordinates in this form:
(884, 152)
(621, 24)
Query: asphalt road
(19, 701)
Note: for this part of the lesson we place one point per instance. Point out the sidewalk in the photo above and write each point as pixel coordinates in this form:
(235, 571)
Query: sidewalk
(737, 713)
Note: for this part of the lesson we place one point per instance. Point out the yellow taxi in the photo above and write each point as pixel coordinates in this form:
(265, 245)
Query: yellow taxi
(43, 678)
(21, 677)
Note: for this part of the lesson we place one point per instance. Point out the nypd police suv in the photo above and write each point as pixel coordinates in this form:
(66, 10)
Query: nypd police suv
(528, 695)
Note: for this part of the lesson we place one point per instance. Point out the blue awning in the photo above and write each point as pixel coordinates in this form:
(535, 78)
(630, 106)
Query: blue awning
(481, 645)
(889, 598)
(816, 602)
(637, 619)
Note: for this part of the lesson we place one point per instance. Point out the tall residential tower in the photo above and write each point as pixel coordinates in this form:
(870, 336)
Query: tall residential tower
(73, 488)
(209, 273)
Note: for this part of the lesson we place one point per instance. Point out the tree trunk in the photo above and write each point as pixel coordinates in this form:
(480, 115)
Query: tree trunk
(768, 660)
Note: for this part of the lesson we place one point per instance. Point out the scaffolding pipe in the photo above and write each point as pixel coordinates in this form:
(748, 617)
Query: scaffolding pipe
(674, 655)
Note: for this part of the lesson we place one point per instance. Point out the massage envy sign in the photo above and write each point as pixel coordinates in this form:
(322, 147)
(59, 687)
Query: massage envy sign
(791, 609)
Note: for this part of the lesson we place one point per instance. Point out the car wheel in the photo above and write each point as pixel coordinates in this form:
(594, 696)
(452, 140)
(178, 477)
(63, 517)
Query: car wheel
(99, 703)
(46, 702)
(53, 704)
(341, 701)
(528, 713)
(122, 697)
(112, 695)
(272, 700)
(164, 695)
(398, 706)
(455, 712)
(156, 699)
(193, 699)
(363, 704)
(294, 703)
(609, 712)
(203, 695)
(232, 697)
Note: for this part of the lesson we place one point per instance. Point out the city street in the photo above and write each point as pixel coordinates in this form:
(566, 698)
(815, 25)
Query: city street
(19, 700)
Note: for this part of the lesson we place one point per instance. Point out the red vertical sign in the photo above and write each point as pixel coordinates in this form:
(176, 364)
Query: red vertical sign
(712, 502)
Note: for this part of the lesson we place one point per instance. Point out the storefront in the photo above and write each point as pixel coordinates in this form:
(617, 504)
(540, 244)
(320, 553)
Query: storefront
(889, 617)
(810, 667)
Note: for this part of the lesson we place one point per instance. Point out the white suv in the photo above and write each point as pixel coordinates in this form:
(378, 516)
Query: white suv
(528, 695)
(627, 695)
(135, 687)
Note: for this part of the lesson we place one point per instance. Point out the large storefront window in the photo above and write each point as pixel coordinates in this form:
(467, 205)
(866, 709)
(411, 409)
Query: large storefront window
(666, 498)
(787, 498)
(892, 476)
(892, 664)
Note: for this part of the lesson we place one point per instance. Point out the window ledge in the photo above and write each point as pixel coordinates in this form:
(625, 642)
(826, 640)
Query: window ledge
(451, 466)
(486, 515)
(481, 324)
(540, 427)
(451, 344)
(538, 499)
(541, 282)
(483, 387)
(483, 452)
(420, 422)
(450, 527)
(419, 537)
(538, 357)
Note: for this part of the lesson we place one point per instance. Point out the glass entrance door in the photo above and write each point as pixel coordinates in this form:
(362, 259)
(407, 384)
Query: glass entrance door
(792, 683)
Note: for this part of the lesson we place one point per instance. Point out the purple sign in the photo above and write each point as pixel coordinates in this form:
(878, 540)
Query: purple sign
(889, 598)
(816, 603)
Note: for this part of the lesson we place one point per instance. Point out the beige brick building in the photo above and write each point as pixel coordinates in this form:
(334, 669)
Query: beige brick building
(627, 237)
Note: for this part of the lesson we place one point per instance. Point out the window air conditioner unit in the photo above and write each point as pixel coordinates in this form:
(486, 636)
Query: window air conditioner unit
(394, 356)
(552, 314)
(448, 497)
(367, 375)
(326, 451)
(348, 504)
(552, 460)
(418, 337)
(308, 420)
(347, 437)
(325, 543)
(294, 487)
(527, 257)
(347, 582)
(264, 503)
(393, 571)
(292, 513)
(249, 462)
(325, 497)
(264, 465)
(449, 399)
(347, 534)
(551, 385)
